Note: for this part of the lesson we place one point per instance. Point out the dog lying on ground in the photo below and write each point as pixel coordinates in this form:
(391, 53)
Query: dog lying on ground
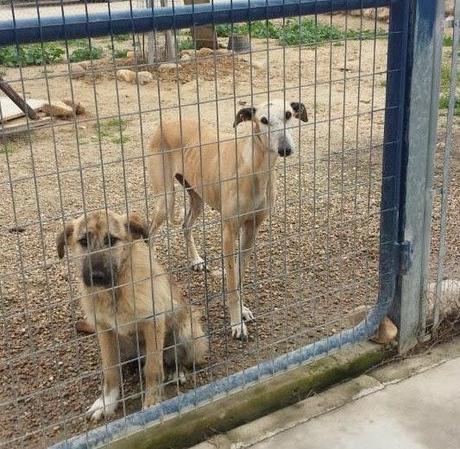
(126, 292)
(234, 177)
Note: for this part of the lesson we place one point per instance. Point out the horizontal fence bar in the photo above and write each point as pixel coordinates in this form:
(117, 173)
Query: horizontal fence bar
(63, 27)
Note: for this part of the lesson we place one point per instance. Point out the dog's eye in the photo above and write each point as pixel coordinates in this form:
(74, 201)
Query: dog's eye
(288, 115)
(83, 241)
(264, 120)
(110, 240)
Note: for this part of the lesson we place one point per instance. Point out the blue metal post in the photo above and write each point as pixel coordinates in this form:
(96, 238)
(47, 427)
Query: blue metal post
(412, 101)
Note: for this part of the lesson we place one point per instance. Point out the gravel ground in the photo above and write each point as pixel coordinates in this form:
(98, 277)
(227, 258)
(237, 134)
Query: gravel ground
(316, 257)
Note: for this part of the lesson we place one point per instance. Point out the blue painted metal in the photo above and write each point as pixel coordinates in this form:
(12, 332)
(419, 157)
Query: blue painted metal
(144, 20)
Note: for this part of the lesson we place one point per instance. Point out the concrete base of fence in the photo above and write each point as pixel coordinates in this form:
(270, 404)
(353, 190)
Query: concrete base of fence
(256, 401)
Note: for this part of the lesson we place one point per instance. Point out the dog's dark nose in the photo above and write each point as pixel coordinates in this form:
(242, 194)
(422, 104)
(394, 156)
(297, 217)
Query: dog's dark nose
(284, 150)
(99, 277)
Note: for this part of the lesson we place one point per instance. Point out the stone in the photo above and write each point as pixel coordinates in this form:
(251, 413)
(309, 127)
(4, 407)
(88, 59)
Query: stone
(144, 77)
(167, 66)
(126, 75)
(202, 52)
(77, 107)
(386, 332)
(58, 109)
(77, 71)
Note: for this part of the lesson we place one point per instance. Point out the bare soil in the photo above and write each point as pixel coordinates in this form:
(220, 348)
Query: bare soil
(316, 257)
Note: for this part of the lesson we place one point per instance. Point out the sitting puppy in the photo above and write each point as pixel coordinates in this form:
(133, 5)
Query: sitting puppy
(126, 292)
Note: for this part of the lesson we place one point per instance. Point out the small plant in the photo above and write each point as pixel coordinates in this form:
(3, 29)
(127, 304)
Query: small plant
(30, 55)
(186, 44)
(86, 53)
(447, 41)
(120, 53)
(113, 128)
(76, 42)
(444, 104)
(121, 37)
(294, 32)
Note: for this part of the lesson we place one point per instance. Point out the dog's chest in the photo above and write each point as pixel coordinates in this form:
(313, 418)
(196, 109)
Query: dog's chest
(106, 311)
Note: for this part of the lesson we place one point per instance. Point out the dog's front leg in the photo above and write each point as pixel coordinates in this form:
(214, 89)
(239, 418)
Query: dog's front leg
(154, 334)
(239, 329)
(107, 403)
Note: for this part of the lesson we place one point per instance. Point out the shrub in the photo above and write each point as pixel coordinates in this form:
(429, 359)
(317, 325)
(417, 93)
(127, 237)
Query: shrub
(30, 55)
(86, 53)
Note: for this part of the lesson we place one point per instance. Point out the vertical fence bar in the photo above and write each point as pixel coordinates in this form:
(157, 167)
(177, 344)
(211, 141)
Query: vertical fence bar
(419, 105)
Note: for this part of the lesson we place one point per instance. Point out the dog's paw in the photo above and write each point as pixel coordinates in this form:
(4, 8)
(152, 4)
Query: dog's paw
(247, 314)
(150, 399)
(177, 377)
(240, 331)
(103, 406)
(198, 265)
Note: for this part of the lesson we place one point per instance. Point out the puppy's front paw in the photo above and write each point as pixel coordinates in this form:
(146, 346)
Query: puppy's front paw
(103, 406)
(247, 314)
(240, 331)
(150, 398)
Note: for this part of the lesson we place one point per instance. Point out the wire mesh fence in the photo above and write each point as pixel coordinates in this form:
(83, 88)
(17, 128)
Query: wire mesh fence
(443, 281)
(234, 146)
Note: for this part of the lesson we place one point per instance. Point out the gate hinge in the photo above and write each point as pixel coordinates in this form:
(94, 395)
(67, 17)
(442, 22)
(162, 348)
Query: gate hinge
(406, 252)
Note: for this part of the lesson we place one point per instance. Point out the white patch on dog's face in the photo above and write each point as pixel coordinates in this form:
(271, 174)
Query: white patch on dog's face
(275, 120)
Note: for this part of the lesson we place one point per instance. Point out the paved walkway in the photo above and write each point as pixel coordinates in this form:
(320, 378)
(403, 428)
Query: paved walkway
(421, 412)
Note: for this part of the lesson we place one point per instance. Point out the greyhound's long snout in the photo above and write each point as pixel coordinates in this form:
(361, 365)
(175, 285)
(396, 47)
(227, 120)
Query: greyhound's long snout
(284, 147)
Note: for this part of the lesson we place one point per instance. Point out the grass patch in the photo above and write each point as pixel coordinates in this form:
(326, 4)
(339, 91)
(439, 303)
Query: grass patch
(27, 55)
(120, 53)
(76, 43)
(305, 32)
(121, 37)
(444, 104)
(186, 44)
(447, 41)
(445, 86)
(86, 53)
(113, 129)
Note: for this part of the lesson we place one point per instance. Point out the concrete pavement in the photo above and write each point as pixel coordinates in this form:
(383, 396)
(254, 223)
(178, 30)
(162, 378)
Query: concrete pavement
(422, 412)
(411, 404)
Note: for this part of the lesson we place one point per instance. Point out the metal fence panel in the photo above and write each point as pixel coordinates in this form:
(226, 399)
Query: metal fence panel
(331, 243)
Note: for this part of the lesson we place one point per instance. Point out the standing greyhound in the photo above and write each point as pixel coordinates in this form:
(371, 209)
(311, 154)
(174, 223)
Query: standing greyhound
(234, 177)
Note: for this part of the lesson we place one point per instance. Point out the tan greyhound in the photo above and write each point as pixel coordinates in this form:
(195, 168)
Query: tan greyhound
(233, 176)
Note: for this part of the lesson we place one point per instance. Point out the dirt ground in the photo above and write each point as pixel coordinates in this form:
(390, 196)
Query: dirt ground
(316, 257)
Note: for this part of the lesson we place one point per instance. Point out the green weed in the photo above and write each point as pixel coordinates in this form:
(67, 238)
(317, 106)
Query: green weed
(30, 55)
(86, 53)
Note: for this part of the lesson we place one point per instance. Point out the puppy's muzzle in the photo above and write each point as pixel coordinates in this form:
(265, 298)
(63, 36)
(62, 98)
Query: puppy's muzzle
(97, 274)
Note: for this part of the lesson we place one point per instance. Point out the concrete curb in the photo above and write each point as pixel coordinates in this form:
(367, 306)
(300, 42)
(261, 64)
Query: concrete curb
(257, 400)
(375, 380)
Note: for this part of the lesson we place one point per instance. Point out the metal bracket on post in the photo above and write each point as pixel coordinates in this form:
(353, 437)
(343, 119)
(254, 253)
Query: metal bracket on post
(406, 256)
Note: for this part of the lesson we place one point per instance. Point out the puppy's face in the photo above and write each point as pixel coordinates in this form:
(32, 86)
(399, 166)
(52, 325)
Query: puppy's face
(273, 122)
(101, 242)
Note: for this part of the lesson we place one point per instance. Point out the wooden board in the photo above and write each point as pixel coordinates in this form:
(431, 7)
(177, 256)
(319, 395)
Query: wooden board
(20, 125)
(9, 111)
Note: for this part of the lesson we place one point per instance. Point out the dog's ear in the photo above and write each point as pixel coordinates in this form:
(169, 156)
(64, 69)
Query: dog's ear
(299, 111)
(137, 227)
(63, 238)
(244, 115)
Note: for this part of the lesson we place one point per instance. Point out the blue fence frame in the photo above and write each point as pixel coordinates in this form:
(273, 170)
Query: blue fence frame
(399, 66)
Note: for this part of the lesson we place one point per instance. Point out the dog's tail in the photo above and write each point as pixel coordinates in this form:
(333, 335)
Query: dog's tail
(161, 167)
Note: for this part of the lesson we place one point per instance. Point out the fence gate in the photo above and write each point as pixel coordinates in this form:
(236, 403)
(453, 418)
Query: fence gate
(345, 232)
